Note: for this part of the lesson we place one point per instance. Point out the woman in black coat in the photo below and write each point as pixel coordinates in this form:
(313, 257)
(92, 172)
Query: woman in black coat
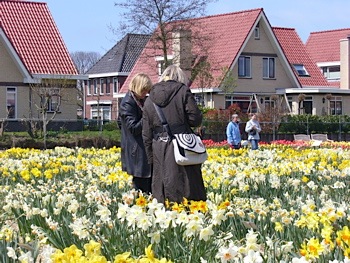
(171, 181)
(133, 156)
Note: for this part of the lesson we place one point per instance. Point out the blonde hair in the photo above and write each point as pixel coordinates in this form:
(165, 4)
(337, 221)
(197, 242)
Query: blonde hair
(140, 83)
(174, 72)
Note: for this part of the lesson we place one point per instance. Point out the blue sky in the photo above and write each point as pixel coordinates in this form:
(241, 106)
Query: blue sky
(85, 25)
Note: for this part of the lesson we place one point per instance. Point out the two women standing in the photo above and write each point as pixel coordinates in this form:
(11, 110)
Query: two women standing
(146, 147)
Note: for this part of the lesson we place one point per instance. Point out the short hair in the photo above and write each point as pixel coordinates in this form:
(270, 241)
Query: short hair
(174, 72)
(140, 83)
(234, 116)
(251, 114)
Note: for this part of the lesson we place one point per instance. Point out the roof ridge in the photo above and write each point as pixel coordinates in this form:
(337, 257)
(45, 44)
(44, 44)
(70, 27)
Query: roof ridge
(219, 15)
(331, 30)
(232, 13)
(284, 28)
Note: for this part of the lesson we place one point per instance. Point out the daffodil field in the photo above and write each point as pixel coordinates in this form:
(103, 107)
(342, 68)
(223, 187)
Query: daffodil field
(282, 203)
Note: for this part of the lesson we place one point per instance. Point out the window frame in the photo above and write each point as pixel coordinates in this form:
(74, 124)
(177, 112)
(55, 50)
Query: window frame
(301, 70)
(244, 65)
(115, 85)
(55, 96)
(95, 87)
(267, 68)
(11, 91)
(102, 86)
(333, 102)
(88, 88)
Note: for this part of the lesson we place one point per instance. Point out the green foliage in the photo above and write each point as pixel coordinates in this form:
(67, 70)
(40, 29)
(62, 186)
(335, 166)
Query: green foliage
(307, 123)
(110, 126)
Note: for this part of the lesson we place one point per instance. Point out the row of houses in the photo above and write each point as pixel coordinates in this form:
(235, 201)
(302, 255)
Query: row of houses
(270, 66)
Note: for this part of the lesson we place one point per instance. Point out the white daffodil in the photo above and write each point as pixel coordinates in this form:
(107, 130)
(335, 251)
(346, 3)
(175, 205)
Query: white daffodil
(253, 257)
(11, 253)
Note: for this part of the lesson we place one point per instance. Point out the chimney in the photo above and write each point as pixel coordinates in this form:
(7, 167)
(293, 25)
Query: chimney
(345, 63)
(182, 50)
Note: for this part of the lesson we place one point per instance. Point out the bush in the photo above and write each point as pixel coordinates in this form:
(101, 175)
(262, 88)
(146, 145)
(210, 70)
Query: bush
(307, 123)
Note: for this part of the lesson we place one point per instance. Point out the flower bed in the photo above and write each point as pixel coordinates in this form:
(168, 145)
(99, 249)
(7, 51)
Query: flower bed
(282, 203)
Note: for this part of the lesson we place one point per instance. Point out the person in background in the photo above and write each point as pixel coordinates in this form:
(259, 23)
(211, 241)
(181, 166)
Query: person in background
(233, 133)
(253, 129)
(171, 182)
(133, 155)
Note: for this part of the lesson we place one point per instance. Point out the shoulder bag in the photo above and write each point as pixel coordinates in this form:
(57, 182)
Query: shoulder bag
(188, 147)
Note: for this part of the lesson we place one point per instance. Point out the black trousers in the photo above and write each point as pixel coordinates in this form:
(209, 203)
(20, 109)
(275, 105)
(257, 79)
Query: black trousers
(143, 184)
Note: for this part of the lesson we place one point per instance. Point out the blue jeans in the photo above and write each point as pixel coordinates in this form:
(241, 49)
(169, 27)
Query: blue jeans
(254, 144)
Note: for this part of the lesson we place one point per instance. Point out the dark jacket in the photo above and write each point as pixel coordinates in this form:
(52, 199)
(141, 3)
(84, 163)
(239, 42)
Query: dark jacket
(133, 155)
(169, 180)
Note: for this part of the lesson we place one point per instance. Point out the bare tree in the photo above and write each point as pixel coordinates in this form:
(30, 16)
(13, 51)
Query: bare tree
(227, 80)
(83, 61)
(156, 16)
(202, 72)
(46, 99)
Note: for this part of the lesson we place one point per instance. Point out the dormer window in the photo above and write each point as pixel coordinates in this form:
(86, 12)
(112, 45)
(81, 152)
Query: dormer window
(301, 70)
(161, 64)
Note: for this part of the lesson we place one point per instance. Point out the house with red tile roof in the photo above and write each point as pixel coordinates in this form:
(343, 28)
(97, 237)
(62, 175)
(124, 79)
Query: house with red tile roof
(108, 75)
(330, 50)
(270, 65)
(34, 62)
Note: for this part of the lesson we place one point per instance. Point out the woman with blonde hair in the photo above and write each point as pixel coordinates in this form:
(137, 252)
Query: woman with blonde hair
(133, 155)
(170, 181)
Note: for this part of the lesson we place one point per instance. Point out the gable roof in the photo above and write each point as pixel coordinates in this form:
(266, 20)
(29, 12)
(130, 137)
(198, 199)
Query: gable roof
(227, 33)
(296, 53)
(32, 33)
(122, 56)
(324, 46)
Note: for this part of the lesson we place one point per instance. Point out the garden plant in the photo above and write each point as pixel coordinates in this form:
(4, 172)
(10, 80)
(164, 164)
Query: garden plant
(286, 202)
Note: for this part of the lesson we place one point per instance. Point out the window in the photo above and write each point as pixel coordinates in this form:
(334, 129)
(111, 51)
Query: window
(245, 103)
(54, 101)
(102, 112)
(115, 85)
(161, 66)
(290, 102)
(51, 100)
(244, 68)
(88, 88)
(268, 68)
(161, 63)
(331, 73)
(95, 86)
(108, 86)
(301, 70)
(269, 103)
(257, 32)
(199, 99)
(336, 106)
(307, 105)
(11, 99)
(102, 86)
(53, 104)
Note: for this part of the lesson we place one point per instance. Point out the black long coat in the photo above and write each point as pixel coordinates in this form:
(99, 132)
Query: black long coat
(133, 155)
(171, 181)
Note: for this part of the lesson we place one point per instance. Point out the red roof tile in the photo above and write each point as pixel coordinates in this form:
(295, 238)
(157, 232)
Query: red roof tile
(324, 46)
(227, 34)
(296, 53)
(33, 34)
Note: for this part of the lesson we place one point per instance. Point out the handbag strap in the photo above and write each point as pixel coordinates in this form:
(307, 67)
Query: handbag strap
(163, 120)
